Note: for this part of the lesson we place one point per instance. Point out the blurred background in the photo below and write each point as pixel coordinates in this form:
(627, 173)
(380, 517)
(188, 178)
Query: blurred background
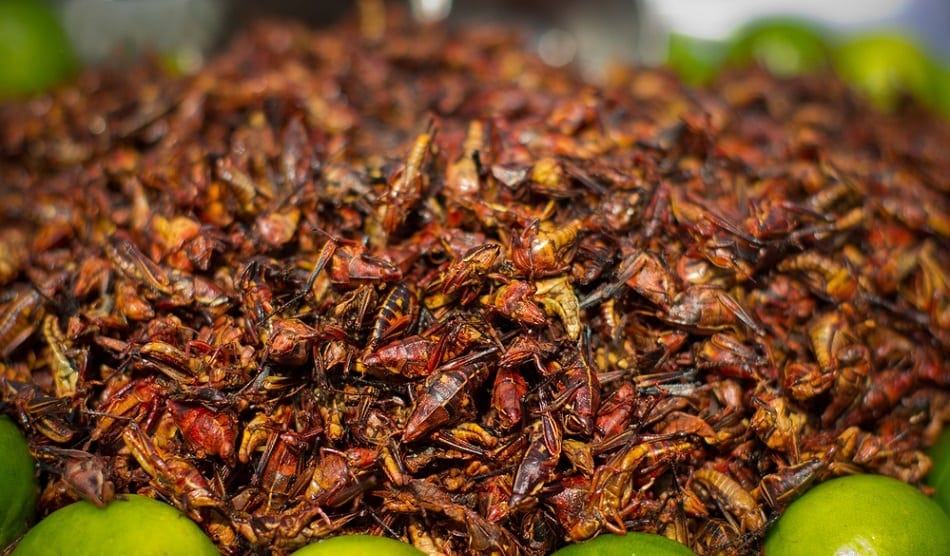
(885, 47)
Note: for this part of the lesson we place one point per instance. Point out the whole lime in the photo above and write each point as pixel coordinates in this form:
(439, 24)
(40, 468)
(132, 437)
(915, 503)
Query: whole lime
(884, 66)
(860, 515)
(18, 490)
(939, 476)
(132, 524)
(358, 545)
(786, 46)
(641, 544)
(35, 52)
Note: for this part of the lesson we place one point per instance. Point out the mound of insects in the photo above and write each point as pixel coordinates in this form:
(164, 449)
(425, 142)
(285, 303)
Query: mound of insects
(429, 288)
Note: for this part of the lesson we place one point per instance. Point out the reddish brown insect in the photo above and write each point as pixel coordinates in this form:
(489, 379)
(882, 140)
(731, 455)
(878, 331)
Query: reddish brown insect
(471, 268)
(612, 486)
(407, 185)
(397, 312)
(543, 249)
(514, 300)
(173, 476)
(18, 319)
(731, 496)
(207, 431)
(447, 394)
(537, 467)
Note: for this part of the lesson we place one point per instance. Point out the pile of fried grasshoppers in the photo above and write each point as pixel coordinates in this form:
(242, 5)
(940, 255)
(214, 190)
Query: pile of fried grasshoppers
(410, 281)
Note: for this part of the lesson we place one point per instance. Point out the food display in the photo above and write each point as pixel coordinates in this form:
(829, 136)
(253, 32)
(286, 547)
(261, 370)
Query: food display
(409, 281)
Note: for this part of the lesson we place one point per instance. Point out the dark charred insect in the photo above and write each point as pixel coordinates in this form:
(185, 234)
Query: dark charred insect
(784, 485)
(581, 393)
(483, 535)
(48, 416)
(539, 461)
(85, 474)
(354, 309)
(397, 312)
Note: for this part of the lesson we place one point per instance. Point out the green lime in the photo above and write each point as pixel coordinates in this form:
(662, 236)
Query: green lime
(695, 60)
(131, 525)
(35, 52)
(18, 490)
(943, 91)
(861, 515)
(785, 46)
(638, 544)
(939, 476)
(358, 545)
(885, 65)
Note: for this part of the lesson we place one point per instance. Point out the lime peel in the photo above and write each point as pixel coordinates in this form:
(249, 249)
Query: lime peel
(357, 545)
(132, 524)
(860, 514)
(18, 488)
(634, 543)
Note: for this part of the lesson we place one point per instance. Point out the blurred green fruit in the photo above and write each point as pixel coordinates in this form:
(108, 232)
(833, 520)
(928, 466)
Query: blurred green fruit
(641, 544)
(883, 66)
(943, 92)
(785, 46)
(35, 52)
(18, 490)
(939, 476)
(357, 545)
(696, 61)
